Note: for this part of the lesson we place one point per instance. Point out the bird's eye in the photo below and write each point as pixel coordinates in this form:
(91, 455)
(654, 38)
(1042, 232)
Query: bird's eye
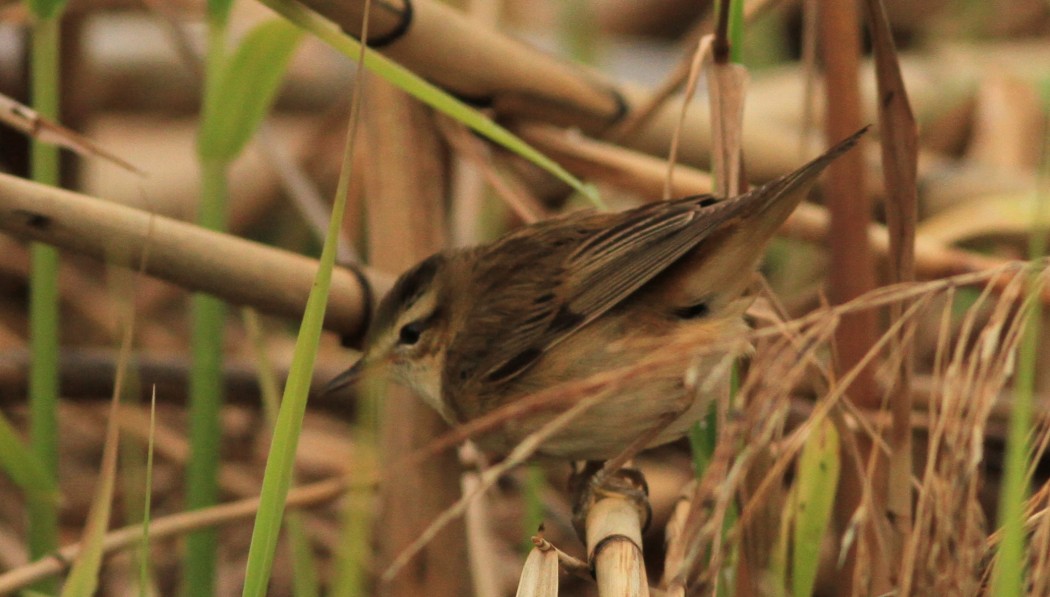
(697, 311)
(410, 332)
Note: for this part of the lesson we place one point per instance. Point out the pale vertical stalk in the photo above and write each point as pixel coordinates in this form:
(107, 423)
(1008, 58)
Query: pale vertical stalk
(209, 317)
(44, 299)
(614, 543)
(405, 184)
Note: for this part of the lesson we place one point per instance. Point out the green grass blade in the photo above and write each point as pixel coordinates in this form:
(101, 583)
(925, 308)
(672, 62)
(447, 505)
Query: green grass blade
(305, 581)
(280, 461)
(46, 9)
(24, 467)
(535, 482)
(147, 502)
(43, 291)
(219, 11)
(208, 316)
(1008, 579)
(424, 91)
(246, 87)
(818, 474)
(206, 398)
(354, 550)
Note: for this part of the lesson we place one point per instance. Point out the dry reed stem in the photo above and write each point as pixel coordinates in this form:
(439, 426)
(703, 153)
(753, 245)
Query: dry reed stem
(672, 83)
(169, 526)
(511, 77)
(505, 73)
(208, 261)
(406, 184)
(674, 531)
(29, 122)
(237, 270)
(851, 273)
(728, 87)
(614, 540)
(482, 544)
(703, 49)
(477, 153)
(899, 145)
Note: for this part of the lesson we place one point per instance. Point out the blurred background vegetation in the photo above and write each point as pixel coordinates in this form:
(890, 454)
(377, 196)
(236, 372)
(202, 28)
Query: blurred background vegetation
(131, 77)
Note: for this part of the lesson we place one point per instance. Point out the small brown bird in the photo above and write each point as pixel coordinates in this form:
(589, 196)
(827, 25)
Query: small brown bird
(473, 329)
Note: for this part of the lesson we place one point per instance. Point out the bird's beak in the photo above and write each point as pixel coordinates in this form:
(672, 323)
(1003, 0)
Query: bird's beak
(345, 384)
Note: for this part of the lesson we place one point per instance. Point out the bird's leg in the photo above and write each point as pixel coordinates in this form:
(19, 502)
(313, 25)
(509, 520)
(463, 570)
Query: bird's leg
(589, 485)
(610, 518)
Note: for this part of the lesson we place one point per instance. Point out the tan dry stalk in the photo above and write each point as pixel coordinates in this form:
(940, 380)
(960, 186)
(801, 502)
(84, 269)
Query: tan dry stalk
(644, 110)
(673, 532)
(432, 39)
(728, 88)
(168, 526)
(234, 269)
(483, 546)
(478, 154)
(523, 84)
(614, 544)
(406, 185)
(900, 142)
(703, 50)
(29, 122)
(278, 281)
(851, 270)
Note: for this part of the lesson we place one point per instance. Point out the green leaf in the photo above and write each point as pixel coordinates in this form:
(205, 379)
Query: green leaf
(23, 466)
(219, 11)
(425, 91)
(818, 474)
(280, 460)
(45, 9)
(246, 89)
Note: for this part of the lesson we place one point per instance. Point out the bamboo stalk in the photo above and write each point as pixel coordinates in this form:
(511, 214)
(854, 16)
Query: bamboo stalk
(615, 536)
(238, 270)
(432, 39)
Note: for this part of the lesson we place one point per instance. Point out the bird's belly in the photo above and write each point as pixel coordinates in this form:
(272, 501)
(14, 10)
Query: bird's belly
(664, 407)
(644, 400)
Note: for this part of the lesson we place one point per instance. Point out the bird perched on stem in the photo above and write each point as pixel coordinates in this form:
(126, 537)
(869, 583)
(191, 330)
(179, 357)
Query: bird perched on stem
(471, 330)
